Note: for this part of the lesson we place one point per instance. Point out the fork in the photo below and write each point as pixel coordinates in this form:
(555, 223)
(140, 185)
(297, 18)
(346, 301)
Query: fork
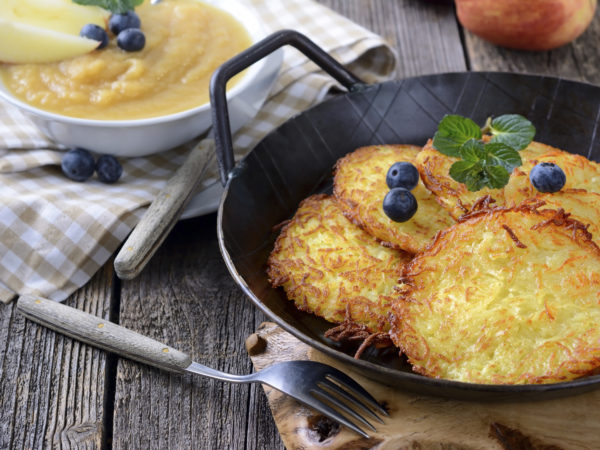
(319, 386)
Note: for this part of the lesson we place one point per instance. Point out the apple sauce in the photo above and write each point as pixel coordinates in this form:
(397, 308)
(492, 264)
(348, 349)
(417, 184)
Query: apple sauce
(186, 40)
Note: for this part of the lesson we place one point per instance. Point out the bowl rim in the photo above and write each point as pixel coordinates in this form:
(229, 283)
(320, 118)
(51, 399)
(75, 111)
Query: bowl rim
(251, 22)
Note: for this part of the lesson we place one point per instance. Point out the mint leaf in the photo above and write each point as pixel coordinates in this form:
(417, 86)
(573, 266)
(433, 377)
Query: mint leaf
(483, 164)
(497, 176)
(476, 180)
(471, 174)
(472, 151)
(499, 154)
(453, 131)
(461, 170)
(114, 6)
(513, 130)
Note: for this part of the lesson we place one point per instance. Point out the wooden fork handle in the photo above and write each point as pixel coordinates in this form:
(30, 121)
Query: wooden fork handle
(164, 212)
(101, 333)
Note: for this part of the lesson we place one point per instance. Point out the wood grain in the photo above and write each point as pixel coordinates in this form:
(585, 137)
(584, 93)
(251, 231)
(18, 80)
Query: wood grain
(578, 60)
(425, 33)
(418, 421)
(186, 298)
(164, 212)
(58, 393)
(53, 390)
(101, 333)
(191, 303)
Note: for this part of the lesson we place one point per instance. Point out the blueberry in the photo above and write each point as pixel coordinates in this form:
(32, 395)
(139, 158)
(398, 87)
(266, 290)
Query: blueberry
(399, 204)
(108, 169)
(120, 22)
(547, 177)
(78, 164)
(402, 174)
(95, 32)
(131, 40)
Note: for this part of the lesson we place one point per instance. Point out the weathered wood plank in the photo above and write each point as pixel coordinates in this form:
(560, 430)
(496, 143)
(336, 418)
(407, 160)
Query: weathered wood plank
(578, 60)
(420, 421)
(424, 33)
(186, 298)
(53, 389)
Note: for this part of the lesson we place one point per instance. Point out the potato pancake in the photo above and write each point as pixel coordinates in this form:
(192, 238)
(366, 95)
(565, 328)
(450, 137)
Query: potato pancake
(334, 269)
(454, 196)
(582, 205)
(360, 186)
(581, 174)
(506, 296)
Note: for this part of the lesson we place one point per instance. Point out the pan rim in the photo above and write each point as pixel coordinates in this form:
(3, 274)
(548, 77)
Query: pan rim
(497, 391)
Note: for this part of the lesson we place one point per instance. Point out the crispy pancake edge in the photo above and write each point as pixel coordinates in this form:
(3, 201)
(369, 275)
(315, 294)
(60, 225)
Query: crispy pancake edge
(560, 220)
(279, 275)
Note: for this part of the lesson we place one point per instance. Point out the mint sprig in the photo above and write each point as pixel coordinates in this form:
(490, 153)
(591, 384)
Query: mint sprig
(453, 132)
(513, 130)
(481, 163)
(114, 6)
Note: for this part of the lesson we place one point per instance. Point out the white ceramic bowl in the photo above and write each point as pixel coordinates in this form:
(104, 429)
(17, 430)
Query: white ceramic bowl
(146, 136)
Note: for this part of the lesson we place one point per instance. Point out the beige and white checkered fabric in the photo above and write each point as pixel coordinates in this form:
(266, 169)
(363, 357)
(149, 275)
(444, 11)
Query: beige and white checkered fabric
(55, 233)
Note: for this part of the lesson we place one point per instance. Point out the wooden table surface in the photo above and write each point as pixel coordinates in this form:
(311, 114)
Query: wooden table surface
(55, 392)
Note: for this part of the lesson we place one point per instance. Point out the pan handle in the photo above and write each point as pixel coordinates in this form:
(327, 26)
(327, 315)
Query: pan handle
(218, 83)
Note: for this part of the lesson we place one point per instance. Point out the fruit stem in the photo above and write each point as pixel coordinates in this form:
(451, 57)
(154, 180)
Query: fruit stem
(487, 128)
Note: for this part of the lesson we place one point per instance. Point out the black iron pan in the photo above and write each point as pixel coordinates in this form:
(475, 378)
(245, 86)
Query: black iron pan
(296, 160)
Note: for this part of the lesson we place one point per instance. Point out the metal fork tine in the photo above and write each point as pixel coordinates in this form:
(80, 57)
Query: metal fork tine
(348, 383)
(342, 406)
(355, 401)
(332, 414)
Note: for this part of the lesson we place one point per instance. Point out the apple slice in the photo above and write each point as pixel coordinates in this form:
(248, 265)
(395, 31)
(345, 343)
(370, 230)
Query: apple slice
(58, 15)
(23, 43)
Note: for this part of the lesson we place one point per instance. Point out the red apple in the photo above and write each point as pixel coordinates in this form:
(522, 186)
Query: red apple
(526, 24)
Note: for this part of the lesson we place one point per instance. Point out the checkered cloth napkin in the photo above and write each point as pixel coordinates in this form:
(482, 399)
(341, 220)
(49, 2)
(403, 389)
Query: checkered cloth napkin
(56, 233)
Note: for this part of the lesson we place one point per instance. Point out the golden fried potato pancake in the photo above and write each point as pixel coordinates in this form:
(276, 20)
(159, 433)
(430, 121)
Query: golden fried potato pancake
(506, 296)
(582, 205)
(581, 174)
(332, 268)
(360, 186)
(454, 196)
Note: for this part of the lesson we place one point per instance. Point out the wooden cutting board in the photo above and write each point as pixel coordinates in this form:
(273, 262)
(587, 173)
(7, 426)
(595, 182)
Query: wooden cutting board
(422, 422)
